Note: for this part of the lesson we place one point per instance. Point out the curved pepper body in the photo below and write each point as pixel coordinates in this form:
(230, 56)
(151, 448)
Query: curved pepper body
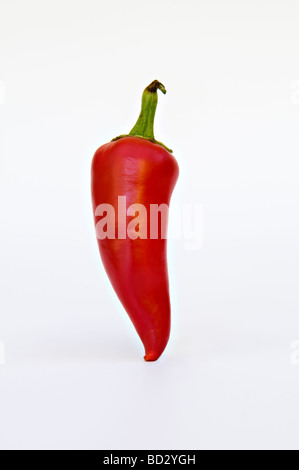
(146, 173)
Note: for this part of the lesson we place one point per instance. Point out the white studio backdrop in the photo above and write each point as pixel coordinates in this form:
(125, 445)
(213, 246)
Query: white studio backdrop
(71, 369)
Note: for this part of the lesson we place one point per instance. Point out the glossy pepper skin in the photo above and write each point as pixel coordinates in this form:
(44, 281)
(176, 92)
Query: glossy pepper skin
(145, 171)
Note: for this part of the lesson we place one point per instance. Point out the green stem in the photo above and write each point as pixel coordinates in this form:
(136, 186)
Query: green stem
(144, 127)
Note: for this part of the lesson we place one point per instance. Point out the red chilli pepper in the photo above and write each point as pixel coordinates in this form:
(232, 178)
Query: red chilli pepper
(136, 169)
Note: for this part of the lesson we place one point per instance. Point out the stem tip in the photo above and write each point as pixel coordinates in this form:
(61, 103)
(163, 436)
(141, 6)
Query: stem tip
(156, 85)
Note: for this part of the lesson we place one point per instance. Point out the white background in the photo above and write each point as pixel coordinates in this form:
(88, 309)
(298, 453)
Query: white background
(72, 74)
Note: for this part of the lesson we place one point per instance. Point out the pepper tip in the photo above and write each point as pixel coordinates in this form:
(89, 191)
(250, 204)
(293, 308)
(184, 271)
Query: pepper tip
(151, 356)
